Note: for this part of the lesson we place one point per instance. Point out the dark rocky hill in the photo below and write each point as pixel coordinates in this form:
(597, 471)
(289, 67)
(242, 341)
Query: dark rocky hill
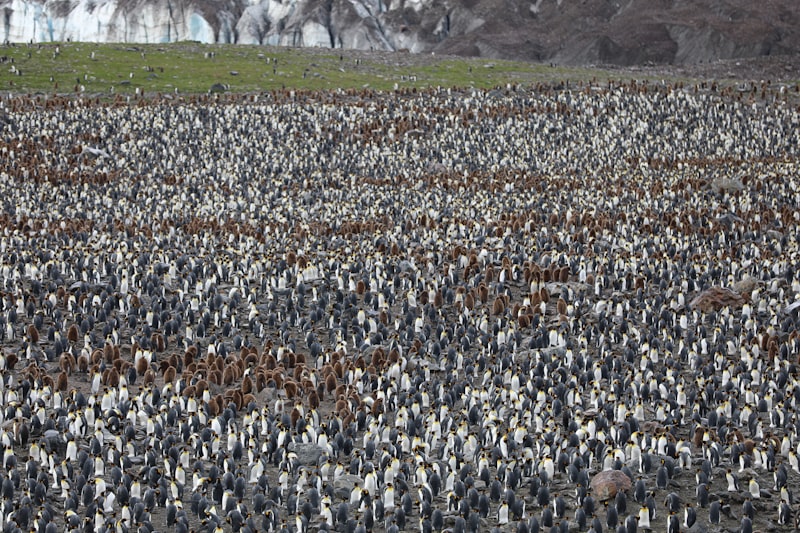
(622, 32)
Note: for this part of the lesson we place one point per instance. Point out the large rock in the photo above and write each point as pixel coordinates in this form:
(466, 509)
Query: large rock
(606, 484)
(746, 286)
(344, 484)
(716, 298)
(722, 184)
(593, 31)
(308, 454)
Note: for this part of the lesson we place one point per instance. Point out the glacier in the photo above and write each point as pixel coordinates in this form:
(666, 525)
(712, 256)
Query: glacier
(554, 31)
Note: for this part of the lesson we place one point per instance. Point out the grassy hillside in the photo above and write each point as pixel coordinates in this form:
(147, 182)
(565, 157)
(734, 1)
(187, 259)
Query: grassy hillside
(94, 69)
(195, 68)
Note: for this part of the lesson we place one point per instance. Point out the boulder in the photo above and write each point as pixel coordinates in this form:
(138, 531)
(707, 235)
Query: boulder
(606, 484)
(344, 484)
(716, 298)
(722, 185)
(308, 454)
(746, 286)
(56, 441)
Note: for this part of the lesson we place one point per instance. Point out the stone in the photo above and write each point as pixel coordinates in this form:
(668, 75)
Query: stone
(344, 484)
(308, 454)
(745, 287)
(723, 185)
(789, 309)
(698, 527)
(716, 298)
(606, 484)
(729, 219)
(56, 440)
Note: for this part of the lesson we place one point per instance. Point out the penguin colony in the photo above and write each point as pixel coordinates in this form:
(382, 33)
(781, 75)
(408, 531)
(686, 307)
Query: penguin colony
(417, 311)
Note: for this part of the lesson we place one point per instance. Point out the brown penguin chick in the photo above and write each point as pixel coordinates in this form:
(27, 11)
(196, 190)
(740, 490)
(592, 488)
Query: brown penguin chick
(483, 293)
(142, 366)
(536, 300)
(228, 376)
(250, 360)
(33, 334)
(213, 407)
(169, 374)
(469, 300)
(498, 307)
(108, 353)
(189, 355)
(73, 334)
(237, 366)
(82, 363)
(341, 404)
(749, 446)
(338, 370)
(111, 377)
(247, 385)
(290, 389)
(544, 295)
(489, 274)
(697, 437)
(278, 378)
(294, 416)
(62, 383)
(67, 363)
(330, 383)
(423, 298)
(378, 356)
(262, 378)
(31, 372)
(237, 398)
(313, 399)
(377, 407)
(341, 391)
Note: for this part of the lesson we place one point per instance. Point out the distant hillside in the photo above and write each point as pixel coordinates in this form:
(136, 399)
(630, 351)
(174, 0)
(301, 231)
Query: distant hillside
(623, 32)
